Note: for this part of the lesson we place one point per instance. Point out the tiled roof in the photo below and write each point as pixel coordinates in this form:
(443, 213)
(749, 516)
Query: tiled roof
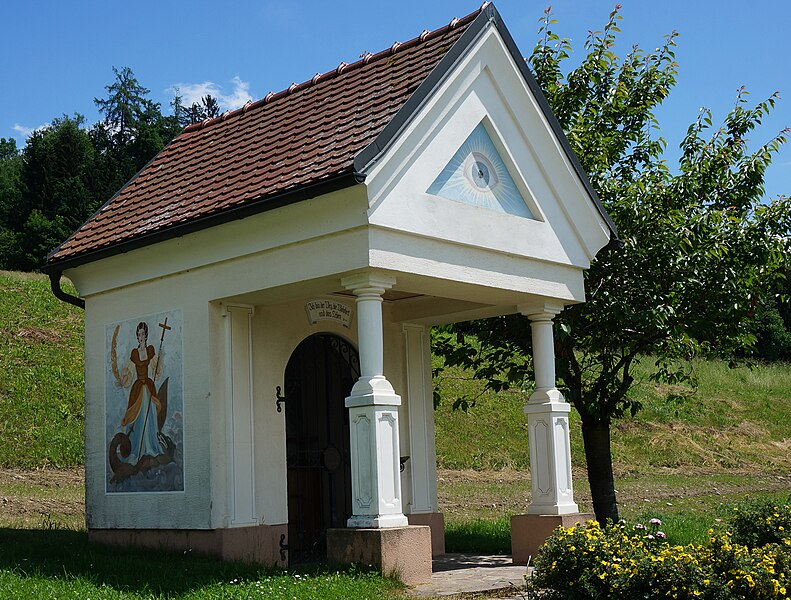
(298, 138)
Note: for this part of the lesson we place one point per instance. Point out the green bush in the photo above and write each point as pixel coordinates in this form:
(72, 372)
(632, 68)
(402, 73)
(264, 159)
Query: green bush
(773, 337)
(756, 523)
(631, 562)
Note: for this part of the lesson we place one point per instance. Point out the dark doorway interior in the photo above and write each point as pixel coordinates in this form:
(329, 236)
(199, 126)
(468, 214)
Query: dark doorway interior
(319, 376)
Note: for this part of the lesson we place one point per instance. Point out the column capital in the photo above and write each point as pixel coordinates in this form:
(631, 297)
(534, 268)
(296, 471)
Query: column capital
(541, 310)
(369, 282)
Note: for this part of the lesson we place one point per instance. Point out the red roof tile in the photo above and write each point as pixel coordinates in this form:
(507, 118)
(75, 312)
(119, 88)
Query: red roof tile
(299, 137)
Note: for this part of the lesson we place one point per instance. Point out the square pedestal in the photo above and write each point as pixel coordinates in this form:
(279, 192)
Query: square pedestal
(402, 552)
(528, 532)
(436, 521)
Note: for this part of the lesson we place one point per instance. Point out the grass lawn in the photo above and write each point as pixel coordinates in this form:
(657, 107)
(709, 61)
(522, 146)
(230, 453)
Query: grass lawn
(59, 563)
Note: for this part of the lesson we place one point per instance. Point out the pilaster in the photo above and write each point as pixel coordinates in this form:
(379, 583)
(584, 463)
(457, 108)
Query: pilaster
(240, 436)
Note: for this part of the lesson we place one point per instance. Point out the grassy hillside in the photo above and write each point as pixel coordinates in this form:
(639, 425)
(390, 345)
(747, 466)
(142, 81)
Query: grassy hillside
(41, 389)
(738, 420)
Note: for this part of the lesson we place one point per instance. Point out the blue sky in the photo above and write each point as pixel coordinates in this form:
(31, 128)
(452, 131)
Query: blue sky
(59, 55)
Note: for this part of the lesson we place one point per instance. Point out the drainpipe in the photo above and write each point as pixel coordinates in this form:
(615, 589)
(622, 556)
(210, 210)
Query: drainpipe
(54, 282)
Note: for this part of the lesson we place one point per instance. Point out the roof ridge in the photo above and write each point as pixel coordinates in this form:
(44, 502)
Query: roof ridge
(366, 58)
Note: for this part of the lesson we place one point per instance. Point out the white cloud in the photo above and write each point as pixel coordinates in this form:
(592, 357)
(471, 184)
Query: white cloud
(193, 92)
(26, 131)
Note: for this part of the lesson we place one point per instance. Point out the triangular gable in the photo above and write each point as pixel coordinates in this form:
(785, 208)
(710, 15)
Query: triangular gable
(483, 82)
(477, 175)
(369, 160)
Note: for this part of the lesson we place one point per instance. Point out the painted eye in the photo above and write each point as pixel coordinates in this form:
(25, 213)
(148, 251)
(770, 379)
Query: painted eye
(476, 175)
(480, 172)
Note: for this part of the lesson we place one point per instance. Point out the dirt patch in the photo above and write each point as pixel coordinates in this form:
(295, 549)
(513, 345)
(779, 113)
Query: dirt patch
(490, 493)
(28, 496)
(43, 477)
(39, 335)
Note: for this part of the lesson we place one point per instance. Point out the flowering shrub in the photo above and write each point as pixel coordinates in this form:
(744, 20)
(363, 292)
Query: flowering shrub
(619, 561)
(758, 522)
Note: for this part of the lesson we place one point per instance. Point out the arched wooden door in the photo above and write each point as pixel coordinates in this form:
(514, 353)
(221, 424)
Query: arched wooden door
(319, 376)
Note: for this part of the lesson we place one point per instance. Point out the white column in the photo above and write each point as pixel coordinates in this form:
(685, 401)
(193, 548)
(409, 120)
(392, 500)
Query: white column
(548, 421)
(373, 416)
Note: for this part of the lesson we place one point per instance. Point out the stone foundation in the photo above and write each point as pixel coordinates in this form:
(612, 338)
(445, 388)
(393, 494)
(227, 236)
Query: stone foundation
(258, 544)
(402, 552)
(528, 532)
(436, 521)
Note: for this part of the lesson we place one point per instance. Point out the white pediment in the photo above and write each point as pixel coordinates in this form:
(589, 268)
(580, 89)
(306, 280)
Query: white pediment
(418, 185)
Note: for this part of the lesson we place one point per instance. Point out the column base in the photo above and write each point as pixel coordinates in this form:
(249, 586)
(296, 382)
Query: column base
(436, 521)
(553, 509)
(377, 522)
(258, 544)
(403, 552)
(528, 532)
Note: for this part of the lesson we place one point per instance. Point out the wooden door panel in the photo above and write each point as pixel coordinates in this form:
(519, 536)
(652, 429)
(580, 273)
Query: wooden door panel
(319, 376)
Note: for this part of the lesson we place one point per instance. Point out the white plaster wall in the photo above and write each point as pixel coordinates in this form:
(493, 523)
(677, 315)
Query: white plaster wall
(486, 273)
(276, 332)
(190, 508)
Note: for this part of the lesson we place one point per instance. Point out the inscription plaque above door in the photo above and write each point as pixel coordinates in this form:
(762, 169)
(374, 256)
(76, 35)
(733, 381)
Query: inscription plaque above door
(329, 310)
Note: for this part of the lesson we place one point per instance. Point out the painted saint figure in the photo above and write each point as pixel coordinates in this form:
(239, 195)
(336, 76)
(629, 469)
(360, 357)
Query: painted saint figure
(144, 408)
(140, 445)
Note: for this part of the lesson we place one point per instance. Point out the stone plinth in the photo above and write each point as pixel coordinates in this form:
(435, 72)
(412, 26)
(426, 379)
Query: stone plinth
(436, 521)
(257, 544)
(528, 532)
(402, 552)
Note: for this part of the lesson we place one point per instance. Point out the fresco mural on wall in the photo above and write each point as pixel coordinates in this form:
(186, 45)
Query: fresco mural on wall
(144, 404)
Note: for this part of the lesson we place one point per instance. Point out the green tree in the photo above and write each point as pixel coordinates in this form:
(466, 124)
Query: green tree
(699, 247)
(57, 190)
(207, 108)
(65, 172)
(124, 106)
(773, 325)
(10, 198)
(132, 131)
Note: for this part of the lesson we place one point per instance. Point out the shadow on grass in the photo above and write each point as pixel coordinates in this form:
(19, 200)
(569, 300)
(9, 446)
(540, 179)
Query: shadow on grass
(480, 536)
(65, 555)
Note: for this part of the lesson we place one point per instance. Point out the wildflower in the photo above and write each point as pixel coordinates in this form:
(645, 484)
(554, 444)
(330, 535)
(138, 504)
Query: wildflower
(639, 526)
(656, 522)
(661, 535)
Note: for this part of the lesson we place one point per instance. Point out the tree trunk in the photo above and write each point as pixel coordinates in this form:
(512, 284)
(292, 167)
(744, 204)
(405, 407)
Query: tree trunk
(596, 438)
